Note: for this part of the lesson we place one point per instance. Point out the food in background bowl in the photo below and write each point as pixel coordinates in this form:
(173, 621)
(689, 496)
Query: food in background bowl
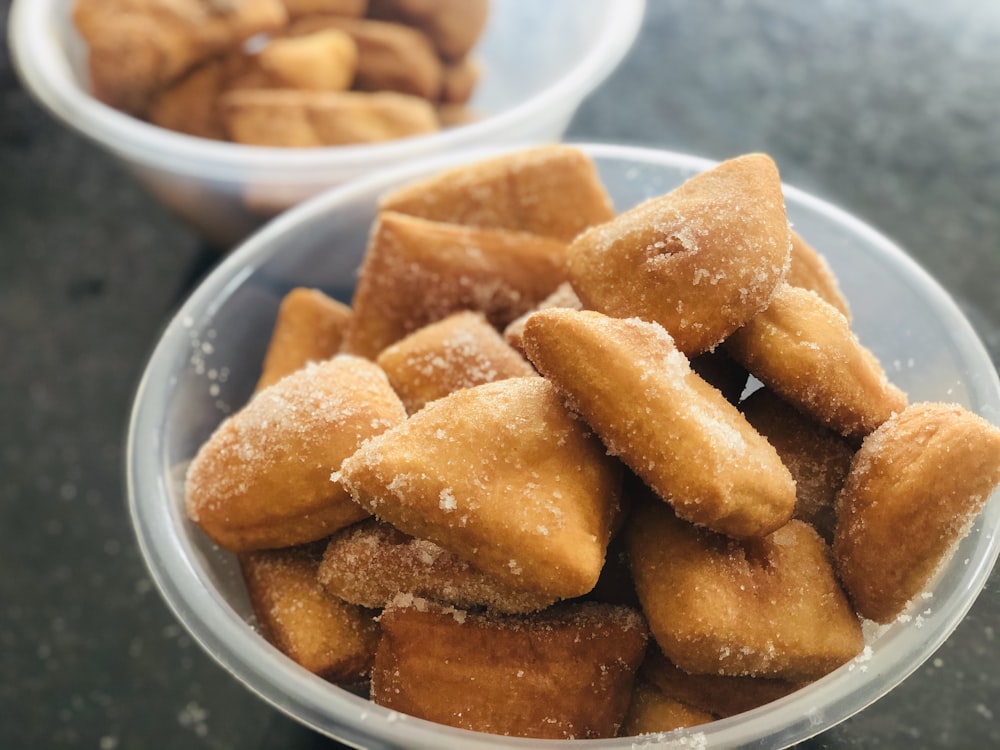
(928, 348)
(278, 72)
(513, 483)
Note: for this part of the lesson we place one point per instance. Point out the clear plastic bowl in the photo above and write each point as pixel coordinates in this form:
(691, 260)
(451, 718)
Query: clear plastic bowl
(540, 59)
(207, 362)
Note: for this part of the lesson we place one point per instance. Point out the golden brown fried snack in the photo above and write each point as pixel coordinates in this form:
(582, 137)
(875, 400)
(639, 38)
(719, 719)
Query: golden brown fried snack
(767, 607)
(417, 272)
(562, 296)
(818, 458)
(453, 115)
(804, 350)
(371, 563)
(391, 57)
(190, 104)
(325, 635)
(809, 270)
(352, 8)
(138, 46)
(262, 479)
(309, 328)
(294, 118)
(501, 475)
(453, 25)
(323, 61)
(716, 694)
(914, 488)
(674, 430)
(560, 674)
(700, 261)
(553, 191)
(459, 81)
(461, 351)
(651, 711)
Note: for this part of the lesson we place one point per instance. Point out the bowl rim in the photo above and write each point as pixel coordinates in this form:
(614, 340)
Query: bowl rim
(41, 65)
(227, 637)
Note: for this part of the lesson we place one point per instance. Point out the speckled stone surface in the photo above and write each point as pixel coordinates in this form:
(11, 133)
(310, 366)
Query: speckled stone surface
(888, 108)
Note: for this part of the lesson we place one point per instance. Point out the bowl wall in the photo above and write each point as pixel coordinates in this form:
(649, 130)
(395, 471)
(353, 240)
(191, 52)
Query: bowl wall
(207, 362)
(540, 59)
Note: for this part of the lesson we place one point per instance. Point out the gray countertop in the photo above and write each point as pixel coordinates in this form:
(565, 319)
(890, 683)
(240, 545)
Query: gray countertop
(887, 108)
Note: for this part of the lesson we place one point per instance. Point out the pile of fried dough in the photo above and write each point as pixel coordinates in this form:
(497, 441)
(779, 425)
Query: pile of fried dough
(286, 72)
(525, 483)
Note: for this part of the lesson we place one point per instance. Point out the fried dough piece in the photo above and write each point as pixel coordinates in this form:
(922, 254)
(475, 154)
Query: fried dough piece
(417, 272)
(804, 350)
(652, 711)
(309, 328)
(562, 296)
(324, 61)
(136, 47)
(352, 8)
(391, 57)
(809, 270)
(262, 480)
(327, 636)
(501, 475)
(461, 351)
(700, 261)
(767, 607)
(817, 458)
(674, 430)
(296, 119)
(560, 674)
(718, 695)
(915, 486)
(553, 191)
(371, 563)
(453, 115)
(190, 104)
(459, 81)
(453, 25)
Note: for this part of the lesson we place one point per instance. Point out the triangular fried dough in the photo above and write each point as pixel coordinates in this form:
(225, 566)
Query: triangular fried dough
(553, 191)
(503, 476)
(768, 607)
(700, 260)
(417, 272)
(674, 430)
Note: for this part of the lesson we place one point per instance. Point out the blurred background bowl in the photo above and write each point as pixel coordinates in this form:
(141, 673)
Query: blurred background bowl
(925, 343)
(539, 61)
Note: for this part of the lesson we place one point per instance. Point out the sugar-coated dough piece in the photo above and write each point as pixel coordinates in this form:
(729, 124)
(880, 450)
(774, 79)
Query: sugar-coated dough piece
(190, 104)
(553, 191)
(309, 328)
(809, 269)
(818, 458)
(371, 563)
(135, 47)
(461, 351)
(262, 479)
(565, 673)
(503, 476)
(675, 431)
(803, 349)
(459, 81)
(767, 607)
(700, 261)
(325, 635)
(295, 118)
(323, 61)
(453, 25)
(391, 57)
(719, 695)
(562, 296)
(652, 711)
(915, 486)
(417, 272)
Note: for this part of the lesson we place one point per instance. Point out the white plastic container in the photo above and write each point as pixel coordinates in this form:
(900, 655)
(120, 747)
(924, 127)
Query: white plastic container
(540, 59)
(909, 322)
